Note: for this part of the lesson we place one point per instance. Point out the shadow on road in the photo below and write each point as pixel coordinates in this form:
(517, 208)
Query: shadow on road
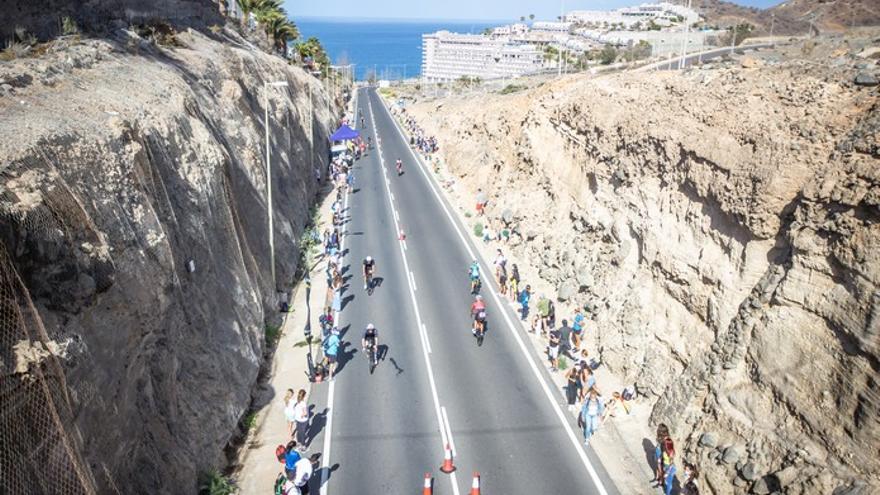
(349, 298)
(319, 421)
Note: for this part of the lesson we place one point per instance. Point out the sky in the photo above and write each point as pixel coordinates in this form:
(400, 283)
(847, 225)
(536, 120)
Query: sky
(496, 10)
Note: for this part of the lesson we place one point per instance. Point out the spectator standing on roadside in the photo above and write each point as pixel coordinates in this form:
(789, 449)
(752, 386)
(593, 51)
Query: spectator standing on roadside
(572, 386)
(591, 414)
(669, 469)
(689, 484)
(289, 411)
(482, 201)
(543, 307)
(553, 350)
(502, 281)
(301, 416)
(577, 327)
(565, 339)
(524, 298)
(331, 348)
(513, 278)
(660, 438)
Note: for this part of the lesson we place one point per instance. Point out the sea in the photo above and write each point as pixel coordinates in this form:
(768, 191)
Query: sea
(391, 48)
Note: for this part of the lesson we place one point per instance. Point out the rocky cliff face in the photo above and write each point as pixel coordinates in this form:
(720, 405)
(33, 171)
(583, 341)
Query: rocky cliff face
(123, 167)
(723, 228)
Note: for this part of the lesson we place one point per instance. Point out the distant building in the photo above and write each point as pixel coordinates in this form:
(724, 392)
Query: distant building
(551, 26)
(662, 14)
(511, 29)
(448, 56)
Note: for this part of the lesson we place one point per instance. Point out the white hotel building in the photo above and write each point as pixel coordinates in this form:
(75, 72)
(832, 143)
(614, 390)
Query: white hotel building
(448, 56)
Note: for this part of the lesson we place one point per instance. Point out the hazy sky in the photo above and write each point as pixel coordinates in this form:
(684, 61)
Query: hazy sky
(459, 9)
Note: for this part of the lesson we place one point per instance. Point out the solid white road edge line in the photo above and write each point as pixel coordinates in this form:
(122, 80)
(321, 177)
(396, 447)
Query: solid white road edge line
(419, 322)
(448, 431)
(428, 342)
(325, 454)
(547, 390)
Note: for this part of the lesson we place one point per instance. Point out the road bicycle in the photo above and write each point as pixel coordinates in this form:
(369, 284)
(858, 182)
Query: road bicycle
(369, 283)
(372, 357)
(475, 285)
(480, 332)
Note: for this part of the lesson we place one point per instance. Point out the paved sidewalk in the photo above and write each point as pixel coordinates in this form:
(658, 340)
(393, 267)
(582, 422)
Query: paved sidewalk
(619, 442)
(258, 467)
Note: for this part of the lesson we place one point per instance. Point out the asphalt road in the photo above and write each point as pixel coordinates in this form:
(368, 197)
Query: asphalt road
(495, 404)
(693, 59)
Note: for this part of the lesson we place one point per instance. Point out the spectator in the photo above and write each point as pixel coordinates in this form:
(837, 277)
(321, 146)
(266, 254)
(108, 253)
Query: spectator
(588, 380)
(301, 416)
(689, 484)
(289, 411)
(660, 437)
(524, 297)
(565, 332)
(553, 350)
(500, 264)
(543, 312)
(482, 201)
(291, 457)
(331, 348)
(326, 321)
(577, 327)
(614, 404)
(502, 281)
(591, 414)
(572, 386)
(513, 279)
(669, 469)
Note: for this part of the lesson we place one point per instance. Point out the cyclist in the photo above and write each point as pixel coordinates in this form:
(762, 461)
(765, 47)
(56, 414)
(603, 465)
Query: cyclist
(369, 269)
(478, 313)
(399, 167)
(370, 142)
(363, 122)
(474, 273)
(371, 338)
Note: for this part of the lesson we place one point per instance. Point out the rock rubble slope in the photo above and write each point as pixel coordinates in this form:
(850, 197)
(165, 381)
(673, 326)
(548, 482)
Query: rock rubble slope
(723, 227)
(133, 207)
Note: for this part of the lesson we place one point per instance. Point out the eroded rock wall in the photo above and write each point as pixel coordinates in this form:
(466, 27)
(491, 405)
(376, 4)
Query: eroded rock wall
(123, 166)
(722, 226)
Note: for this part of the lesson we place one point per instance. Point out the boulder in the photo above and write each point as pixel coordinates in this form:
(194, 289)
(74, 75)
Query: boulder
(730, 456)
(708, 439)
(566, 290)
(585, 278)
(866, 79)
(748, 471)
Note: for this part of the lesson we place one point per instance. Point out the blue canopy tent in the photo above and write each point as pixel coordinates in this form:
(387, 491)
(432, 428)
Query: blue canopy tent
(344, 133)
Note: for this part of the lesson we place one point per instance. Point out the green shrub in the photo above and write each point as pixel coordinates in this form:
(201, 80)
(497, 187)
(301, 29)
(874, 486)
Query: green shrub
(250, 420)
(273, 332)
(478, 229)
(511, 88)
(214, 483)
(467, 214)
(69, 26)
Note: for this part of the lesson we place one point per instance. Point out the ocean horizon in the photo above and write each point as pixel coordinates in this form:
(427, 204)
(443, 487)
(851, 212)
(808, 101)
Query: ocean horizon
(390, 47)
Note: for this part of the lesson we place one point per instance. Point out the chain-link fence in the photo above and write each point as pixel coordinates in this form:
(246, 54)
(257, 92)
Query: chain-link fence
(38, 452)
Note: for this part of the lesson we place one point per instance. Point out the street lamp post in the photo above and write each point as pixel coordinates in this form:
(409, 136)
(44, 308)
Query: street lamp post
(274, 84)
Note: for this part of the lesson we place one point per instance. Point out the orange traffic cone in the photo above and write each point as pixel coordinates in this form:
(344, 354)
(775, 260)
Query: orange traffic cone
(401, 236)
(447, 466)
(428, 489)
(475, 486)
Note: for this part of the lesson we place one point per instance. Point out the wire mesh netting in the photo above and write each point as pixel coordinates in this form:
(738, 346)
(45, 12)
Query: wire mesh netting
(38, 455)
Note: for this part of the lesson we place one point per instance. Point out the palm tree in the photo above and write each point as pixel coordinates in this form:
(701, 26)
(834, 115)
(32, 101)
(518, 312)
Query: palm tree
(531, 17)
(522, 18)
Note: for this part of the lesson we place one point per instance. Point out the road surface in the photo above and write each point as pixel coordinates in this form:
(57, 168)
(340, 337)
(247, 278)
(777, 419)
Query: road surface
(494, 404)
(695, 58)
